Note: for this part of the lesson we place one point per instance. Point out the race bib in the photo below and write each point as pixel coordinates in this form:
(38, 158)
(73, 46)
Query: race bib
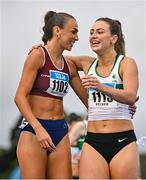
(99, 99)
(58, 83)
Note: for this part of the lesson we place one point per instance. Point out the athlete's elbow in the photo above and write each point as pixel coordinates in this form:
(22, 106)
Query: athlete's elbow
(17, 98)
(131, 99)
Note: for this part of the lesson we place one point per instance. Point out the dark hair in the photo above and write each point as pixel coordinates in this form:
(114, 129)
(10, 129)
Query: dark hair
(73, 117)
(52, 19)
(115, 28)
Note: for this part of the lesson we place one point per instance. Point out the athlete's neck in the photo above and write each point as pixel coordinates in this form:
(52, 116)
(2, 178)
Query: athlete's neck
(107, 59)
(55, 51)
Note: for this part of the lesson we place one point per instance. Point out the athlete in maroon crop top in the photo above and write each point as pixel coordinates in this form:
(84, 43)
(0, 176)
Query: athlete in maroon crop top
(43, 147)
(51, 81)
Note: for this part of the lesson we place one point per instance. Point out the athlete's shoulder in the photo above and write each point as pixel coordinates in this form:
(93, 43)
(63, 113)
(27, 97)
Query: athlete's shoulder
(128, 60)
(35, 57)
(128, 64)
(38, 52)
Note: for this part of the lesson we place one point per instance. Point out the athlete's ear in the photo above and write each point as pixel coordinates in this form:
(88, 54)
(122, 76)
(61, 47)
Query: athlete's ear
(56, 31)
(114, 39)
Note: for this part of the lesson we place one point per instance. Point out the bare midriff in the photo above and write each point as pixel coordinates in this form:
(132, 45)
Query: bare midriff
(109, 126)
(46, 107)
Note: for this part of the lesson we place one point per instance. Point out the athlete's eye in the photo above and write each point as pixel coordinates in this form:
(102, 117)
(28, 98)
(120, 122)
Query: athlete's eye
(100, 32)
(74, 31)
(91, 32)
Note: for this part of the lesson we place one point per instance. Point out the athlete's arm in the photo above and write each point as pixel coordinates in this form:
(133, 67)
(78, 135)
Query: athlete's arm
(76, 84)
(32, 64)
(82, 63)
(129, 74)
(76, 132)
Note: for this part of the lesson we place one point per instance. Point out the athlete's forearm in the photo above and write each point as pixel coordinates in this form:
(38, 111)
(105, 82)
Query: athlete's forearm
(120, 95)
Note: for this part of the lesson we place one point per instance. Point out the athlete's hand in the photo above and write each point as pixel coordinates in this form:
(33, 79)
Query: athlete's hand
(34, 47)
(77, 156)
(133, 107)
(89, 81)
(44, 139)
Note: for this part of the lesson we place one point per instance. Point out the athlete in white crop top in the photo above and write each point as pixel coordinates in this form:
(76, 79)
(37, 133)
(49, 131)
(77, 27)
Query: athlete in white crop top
(110, 150)
(107, 107)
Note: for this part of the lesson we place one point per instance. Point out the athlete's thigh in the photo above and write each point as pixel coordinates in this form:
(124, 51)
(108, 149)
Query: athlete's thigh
(125, 163)
(59, 162)
(92, 164)
(31, 157)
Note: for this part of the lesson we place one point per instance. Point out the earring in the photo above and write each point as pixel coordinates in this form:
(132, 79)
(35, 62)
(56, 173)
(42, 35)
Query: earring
(111, 43)
(58, 36)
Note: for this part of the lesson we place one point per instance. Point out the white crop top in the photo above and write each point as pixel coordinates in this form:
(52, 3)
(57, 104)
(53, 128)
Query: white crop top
(101, 106)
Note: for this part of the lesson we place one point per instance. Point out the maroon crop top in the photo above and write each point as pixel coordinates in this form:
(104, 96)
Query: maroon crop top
(51, 81)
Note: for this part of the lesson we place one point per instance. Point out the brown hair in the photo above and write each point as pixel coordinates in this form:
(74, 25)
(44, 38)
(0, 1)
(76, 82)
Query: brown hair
(115, 28)
(52, 19)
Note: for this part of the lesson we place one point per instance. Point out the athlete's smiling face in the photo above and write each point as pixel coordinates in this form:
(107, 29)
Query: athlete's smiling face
(100, 37)
(69, 34)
